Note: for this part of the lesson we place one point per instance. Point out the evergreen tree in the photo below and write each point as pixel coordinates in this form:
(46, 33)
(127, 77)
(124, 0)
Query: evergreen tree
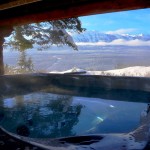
(25, 64)
(44, 33)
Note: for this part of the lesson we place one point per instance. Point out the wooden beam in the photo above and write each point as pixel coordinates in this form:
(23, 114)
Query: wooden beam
(53, 10)
(15, 3)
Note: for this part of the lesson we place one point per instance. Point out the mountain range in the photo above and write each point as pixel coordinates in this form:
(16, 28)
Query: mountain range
(94, 36)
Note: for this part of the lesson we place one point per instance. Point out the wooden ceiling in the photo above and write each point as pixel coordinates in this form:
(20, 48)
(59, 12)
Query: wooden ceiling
(17, 12)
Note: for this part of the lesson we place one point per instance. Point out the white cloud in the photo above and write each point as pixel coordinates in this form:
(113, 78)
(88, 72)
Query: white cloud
(118, 42)
(131, 42)
(121, 31)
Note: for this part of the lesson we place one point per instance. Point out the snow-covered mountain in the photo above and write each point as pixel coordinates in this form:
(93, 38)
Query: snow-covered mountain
(94, 36)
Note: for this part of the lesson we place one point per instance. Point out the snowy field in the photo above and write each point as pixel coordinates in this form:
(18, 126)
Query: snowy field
(136, 71)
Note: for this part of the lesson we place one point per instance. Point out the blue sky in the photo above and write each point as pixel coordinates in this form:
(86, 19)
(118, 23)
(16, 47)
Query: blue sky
(125, 22)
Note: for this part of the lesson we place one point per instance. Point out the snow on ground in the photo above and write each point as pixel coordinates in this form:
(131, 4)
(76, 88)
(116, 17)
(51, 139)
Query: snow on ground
(139, 71)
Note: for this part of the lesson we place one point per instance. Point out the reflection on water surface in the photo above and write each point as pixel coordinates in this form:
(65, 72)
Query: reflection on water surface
(51, 115)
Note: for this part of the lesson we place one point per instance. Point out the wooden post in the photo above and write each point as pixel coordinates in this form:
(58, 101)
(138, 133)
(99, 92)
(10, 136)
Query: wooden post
(4, 32)
(1, 56)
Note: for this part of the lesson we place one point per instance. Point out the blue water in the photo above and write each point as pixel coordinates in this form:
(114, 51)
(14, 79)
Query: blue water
(47, 115)
(105, 58)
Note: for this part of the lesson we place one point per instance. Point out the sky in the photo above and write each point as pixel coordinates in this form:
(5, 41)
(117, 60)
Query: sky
(125, 22)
